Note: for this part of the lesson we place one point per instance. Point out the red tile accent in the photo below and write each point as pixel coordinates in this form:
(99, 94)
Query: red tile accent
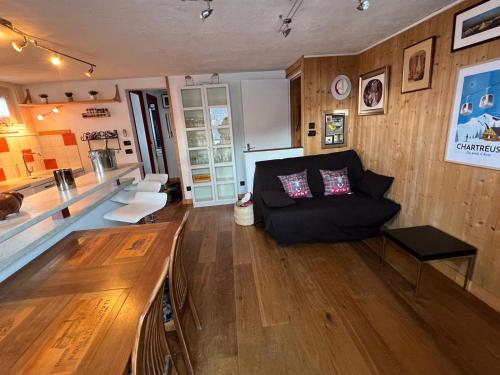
(50, 163)
(28, 157)
(4, 146)
(2, 175)
(69, 139)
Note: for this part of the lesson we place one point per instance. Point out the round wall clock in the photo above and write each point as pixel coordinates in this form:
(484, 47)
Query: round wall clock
(341, 87)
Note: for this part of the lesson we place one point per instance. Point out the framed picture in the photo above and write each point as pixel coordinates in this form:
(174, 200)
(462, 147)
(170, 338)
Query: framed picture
(474, 131)
(341, 87)
(478, 24)
(164, 100)
(417, 66)
(334, 129)
(374, 92)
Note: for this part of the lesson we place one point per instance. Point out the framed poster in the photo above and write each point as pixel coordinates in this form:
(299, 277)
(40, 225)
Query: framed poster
(334, 129)
(417, 66)
(374, 92)
(474, 131)
(478, 24)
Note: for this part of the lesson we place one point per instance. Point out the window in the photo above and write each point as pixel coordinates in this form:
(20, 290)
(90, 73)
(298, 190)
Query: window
(4, 108)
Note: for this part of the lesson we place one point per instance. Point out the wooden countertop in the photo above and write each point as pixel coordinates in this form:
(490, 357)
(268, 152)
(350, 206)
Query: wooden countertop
(75, 309)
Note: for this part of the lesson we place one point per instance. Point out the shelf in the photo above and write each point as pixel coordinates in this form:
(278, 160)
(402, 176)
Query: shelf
(116, 99)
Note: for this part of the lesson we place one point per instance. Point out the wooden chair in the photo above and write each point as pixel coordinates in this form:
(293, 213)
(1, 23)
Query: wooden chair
(179, 293)
(151, 354)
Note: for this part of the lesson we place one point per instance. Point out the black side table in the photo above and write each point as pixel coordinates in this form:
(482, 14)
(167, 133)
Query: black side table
(426, 244)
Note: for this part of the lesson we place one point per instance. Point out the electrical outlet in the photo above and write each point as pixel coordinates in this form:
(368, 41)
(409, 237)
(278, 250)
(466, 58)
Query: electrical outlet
(129, 151)
(127, 143)
(312, 126)
(188, 188)
(242, 183)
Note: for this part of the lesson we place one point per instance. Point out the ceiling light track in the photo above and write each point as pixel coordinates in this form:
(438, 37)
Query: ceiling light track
(285, 27)
(56, 55)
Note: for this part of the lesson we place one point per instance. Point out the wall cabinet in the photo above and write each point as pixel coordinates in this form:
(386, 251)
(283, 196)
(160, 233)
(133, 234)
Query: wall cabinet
(210, 144)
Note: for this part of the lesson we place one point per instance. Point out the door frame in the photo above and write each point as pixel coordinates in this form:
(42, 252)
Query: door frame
(146, 128)
(151, 99)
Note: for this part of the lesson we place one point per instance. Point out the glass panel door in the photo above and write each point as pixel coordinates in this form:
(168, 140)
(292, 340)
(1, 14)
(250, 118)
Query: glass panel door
(198, 157)
(221, 136)
(223, 155)
(201, 175)
(194, 118)
(224, 174)
(196, 138)
(203, 193)
(219, 117)
(191, 98)
(216, 96)
(226, 191)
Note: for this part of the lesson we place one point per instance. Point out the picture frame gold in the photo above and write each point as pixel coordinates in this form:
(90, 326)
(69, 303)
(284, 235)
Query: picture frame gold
(418, 64)
(373, 93)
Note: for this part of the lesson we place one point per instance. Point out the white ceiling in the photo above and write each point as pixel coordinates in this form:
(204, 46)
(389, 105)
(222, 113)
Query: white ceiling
(138, 38)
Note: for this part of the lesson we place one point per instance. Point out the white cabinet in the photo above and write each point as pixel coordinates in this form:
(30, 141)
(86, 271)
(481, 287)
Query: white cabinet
(209, 134)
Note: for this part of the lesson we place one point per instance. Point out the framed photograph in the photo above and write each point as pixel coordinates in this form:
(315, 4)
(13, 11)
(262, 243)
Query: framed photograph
(165, 100)
(417, 66)
(474, 131)
(374, 92)
(334, 129)
(478, 24)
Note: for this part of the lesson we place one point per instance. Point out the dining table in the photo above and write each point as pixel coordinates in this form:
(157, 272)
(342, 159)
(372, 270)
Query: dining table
(75, 309)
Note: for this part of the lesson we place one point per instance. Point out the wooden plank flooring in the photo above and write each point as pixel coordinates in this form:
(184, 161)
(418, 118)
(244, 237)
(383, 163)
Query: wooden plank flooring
(324, 308)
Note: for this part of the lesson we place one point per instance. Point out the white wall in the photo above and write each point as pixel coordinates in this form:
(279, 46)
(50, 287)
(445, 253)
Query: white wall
(70, 116)
(234, 82)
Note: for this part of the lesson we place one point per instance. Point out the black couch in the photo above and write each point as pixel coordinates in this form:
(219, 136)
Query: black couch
(321, 218)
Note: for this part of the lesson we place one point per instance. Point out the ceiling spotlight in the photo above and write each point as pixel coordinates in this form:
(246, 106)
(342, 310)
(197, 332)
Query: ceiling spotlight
(363, 5)
(205, 13)
(55, 110)
(286, 21)
(56, 60)
(39, 117)
(89, 72)
(19, 46)
(286, 31)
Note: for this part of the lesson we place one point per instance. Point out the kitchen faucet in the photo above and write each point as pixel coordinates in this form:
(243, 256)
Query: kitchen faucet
(29, 170)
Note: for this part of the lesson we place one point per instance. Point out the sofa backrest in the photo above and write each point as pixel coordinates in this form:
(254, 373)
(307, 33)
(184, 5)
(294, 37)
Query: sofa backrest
(267, 172)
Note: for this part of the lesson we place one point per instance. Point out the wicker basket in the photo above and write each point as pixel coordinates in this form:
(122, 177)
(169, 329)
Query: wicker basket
(243, 215)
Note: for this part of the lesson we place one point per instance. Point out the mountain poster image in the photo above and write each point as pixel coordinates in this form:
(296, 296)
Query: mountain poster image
(474, 134)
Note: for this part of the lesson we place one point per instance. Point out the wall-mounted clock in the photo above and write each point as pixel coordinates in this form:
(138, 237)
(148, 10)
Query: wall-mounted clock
(341, 87)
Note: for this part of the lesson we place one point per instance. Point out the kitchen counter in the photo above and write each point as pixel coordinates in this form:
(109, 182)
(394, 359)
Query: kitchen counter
(20, 183)
(43, 218)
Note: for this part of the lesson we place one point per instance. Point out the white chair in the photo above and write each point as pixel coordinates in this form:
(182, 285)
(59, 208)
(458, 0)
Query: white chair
(144, 204)
(146, 186)
(160, 177)
(124, 197)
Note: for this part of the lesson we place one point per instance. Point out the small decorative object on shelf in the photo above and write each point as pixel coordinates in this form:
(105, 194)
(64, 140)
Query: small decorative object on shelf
(44, 98)
(214, 79)
(189, 80)
(96, 112)
(27, 98)
(105, 134)
(10, 203)
(69, 96)
(93, 94)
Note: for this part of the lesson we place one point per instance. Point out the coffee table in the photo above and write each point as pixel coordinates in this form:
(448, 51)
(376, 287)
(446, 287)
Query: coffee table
(426, 244)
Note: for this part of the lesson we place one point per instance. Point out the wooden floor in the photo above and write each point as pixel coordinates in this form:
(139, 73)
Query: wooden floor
(324, 308)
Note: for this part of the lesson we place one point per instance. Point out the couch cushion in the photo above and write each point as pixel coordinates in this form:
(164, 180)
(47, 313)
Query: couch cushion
(276, 199)
(336, 182)
(353, 210)
(373, 184)
(296, 185)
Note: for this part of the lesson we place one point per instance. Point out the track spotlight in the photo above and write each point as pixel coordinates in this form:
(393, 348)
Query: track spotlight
(55, 110)
(19, 46)
(56, 60)
(286, 31)
(285, 28)
(89, 72)
(205, 13)
(40, 117)
(363, 5)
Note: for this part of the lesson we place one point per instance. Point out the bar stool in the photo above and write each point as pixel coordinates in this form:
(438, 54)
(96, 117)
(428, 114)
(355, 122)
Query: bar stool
(146, 186)
(161, 177)
(144, 204)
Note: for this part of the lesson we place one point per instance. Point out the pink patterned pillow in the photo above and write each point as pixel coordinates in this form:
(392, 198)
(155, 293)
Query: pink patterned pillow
(295, 185)
(336, 182)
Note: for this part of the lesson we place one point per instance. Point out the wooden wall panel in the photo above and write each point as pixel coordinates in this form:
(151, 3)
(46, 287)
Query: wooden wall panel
(409, 143)
(317, 76)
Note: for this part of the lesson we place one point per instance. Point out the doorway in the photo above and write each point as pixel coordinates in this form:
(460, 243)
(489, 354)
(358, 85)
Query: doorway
(296, 111)
(150, 110)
